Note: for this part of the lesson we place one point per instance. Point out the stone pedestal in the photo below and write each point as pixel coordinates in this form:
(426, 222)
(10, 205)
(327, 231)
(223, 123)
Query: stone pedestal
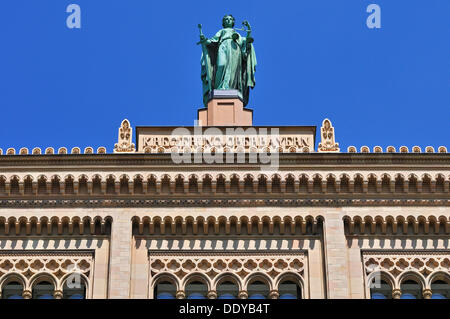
(225, 108)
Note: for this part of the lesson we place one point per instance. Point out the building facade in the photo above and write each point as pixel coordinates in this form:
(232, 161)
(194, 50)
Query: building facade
(136, 223)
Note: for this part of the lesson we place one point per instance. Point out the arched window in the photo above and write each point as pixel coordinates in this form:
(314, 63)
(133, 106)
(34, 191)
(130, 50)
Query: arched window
(380, 290)
(411, 290)
(74, 290)
(289, 290)
(165, 290)
(12, 290)
(43, 290)
(440, 290)
(196, 290)
(227, 290)
(258, 290)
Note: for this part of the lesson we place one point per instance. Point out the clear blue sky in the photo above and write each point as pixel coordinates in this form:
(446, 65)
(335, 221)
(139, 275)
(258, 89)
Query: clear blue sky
(137, 59)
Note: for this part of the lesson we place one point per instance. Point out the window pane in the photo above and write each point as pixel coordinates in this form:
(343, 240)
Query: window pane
(74, 290)
(289, 290)
(440, 290)
(411, 290)
(196, 290)
(165, 290)
(12, 290)
(381, 290)
(258, 290)
(43, 290)
(227, 290)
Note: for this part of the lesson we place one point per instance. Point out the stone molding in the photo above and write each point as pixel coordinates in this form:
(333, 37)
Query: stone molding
(179, 202)
(86, 226)
(285, 158)
(387, 185)
(390, 225)
(222, 225)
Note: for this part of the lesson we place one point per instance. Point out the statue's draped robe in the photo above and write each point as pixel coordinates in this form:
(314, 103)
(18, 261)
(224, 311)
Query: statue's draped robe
(228, 64)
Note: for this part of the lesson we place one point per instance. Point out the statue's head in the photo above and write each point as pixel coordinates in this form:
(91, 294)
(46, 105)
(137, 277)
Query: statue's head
(228, 21)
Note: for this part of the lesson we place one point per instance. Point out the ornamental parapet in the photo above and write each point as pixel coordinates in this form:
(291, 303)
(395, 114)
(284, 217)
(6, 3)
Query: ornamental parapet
(197, 139)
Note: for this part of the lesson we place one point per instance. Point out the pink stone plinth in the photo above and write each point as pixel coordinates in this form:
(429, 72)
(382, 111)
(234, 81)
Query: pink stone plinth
(225, 112)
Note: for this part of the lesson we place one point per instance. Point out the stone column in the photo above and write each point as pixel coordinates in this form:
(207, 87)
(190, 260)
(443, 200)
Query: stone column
(58, 294)
(120, 257)
(27, 294)
(243, 295)
(274, 294)
(356, 272)
(396, 294)
(316, 278)
(140, 271)
(100, 287)
(212, 294)
(180, 294)
(427, 294)
(336, 255)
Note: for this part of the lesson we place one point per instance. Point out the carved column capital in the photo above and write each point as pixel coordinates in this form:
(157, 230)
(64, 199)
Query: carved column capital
(427, 294)
(396, 293)
(274, 294)
(243, 295)
(27, 294)
(58, 294)
(180, 294)
(212, 294)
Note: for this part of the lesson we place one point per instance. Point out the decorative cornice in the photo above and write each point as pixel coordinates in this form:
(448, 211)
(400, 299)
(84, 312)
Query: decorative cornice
(230, 253)
(64, 226)
(405, 252)
(309, 159)
(52, 203)
(48, 253)
(390, 225)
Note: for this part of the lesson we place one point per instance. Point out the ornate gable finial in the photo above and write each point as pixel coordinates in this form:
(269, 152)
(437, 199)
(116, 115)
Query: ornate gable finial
(327, 144)
(124, 144)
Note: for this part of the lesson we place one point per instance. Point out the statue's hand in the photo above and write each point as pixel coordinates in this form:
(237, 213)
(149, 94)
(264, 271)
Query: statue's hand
(245, 23)
(202, 38)
(235, 36)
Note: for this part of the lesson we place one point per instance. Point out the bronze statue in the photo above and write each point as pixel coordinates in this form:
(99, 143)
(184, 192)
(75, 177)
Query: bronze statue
(228, 60)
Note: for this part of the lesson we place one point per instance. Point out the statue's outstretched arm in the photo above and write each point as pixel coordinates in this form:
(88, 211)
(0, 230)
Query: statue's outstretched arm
(249, 28)
(203, 38)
